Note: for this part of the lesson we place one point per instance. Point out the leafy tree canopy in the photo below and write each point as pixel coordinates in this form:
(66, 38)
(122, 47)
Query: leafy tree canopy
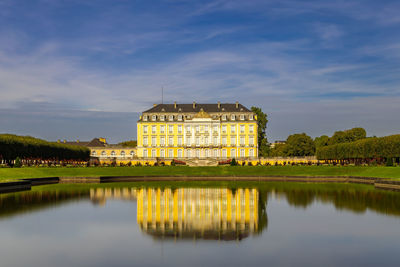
(130, 143)
(262, 120)
(299, 145)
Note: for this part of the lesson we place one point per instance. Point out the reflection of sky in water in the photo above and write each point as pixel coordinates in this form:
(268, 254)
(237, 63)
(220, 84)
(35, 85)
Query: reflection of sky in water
(78, 233)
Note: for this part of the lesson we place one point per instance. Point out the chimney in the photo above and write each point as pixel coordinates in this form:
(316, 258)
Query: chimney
(154, 105)
(237, 104)
(219, 105)
(194, 105)
(65, 141)
(175, 105)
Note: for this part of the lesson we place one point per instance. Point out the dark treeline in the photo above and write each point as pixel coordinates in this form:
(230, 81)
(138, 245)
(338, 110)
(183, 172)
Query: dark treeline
(33, 149)
(365, 150)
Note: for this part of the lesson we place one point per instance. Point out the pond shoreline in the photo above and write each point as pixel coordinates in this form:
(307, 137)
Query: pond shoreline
(27, 183)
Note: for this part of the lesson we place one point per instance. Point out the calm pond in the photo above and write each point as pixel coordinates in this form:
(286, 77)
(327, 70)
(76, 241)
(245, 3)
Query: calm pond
(200, 224)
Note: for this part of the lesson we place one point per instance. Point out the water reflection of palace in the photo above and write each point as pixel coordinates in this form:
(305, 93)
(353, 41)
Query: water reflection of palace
(207, 213)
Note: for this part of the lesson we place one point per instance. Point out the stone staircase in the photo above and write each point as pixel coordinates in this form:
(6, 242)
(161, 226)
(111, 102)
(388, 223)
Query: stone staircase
(201, 162)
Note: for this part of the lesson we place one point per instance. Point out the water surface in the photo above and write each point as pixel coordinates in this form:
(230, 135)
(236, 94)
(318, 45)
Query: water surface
(200, 224)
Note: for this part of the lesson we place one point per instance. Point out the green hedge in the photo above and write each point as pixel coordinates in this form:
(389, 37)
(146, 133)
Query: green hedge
(369, 148)
(26, 147)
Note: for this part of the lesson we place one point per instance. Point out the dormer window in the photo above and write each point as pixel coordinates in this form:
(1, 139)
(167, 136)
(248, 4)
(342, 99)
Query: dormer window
(232, 117)
(162, 117)
(153, 117)
(224, 117)
(179, 117)
(145, 117)
(241, 117)
(251, 117)
(171, 117)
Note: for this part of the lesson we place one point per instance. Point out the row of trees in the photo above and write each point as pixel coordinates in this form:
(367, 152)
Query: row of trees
(303, 145)
(26, 147)
(374, 148)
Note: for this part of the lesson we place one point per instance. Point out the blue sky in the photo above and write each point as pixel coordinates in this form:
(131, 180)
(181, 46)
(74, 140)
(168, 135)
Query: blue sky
(81, 69)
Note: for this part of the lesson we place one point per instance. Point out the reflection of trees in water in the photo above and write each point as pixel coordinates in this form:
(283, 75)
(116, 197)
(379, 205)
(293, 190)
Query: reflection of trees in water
(346, 198)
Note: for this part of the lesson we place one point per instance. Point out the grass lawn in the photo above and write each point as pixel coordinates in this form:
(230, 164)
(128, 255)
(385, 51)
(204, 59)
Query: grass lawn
(7, 174)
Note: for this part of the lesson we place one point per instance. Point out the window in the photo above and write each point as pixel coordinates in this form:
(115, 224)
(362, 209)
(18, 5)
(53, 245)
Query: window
(122, 153)
(162, 117)
(251, 128)
(206, 128)
(215, 128)
(232, 117)
(170, 129)
(224, 153)
(215, 153)
(224, 117)
(171, 117)
(153, 153)
(241, 128)
(241, 117)
(179, 117)
(162, 153)
(251, 153)
(233, 140)
(145, 117)
(145, 141)
(180, 141)
(154, 117)
(197, 141)
(197, 128)
(224, 141)
(242, 154)
(251, 140)
(153, 141)
(233, 153)
(189, 153)
(145, 129)
(103, 154)
(206, 140)
(170, 153)
(197, 153)
(162, 140)
(215, 140)
(171, 140)
(224, 128)
(153, 129)
(251, 117)
(132, 153)
(112, 153)
(242, 140)
(179, 153)
(145, 153)
(206, 153)
(179, 128)
(233, 129)
(188, 129)
(188, 141)
(162, 128)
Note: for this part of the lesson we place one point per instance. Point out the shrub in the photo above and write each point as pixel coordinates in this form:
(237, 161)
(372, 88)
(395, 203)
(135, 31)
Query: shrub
(234, 162)
(18, 163)
(249, 163)
(389, 162)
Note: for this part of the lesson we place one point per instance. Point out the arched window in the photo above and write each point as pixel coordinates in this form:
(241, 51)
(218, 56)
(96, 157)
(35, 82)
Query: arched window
(122, 153)
(103, 153)
(112, 153)
(94, 153)
(132, 153)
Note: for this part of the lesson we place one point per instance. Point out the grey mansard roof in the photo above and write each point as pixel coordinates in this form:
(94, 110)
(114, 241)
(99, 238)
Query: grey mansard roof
(224, 107)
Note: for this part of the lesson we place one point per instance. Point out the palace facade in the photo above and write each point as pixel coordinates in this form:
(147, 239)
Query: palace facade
(197, 131)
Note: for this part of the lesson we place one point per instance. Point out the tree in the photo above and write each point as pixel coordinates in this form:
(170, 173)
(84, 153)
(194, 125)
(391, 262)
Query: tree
(347, 136)
(323, 140)
(262, 120)
(299, 145)
(278, 150)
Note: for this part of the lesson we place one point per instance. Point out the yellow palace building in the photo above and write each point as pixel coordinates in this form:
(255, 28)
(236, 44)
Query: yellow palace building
(219, 131)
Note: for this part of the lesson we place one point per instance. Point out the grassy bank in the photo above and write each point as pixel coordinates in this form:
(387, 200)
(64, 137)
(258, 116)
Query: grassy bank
(35, 172)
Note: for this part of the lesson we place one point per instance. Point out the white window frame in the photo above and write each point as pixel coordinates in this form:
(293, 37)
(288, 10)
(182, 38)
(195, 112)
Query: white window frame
(153, 141)
(170, 128)
(154, 118)
(179, 128)
(145, 129)
(242, 128)
(170, 140)
(170, 153)
(145, 140)
(171, 117)
(153, 129)
(145, 117)
(179, 140)
(162, 128)
(242, 117)
(233, 117)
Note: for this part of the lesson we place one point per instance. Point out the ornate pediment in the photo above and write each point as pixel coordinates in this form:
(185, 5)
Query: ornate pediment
(202, 115)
